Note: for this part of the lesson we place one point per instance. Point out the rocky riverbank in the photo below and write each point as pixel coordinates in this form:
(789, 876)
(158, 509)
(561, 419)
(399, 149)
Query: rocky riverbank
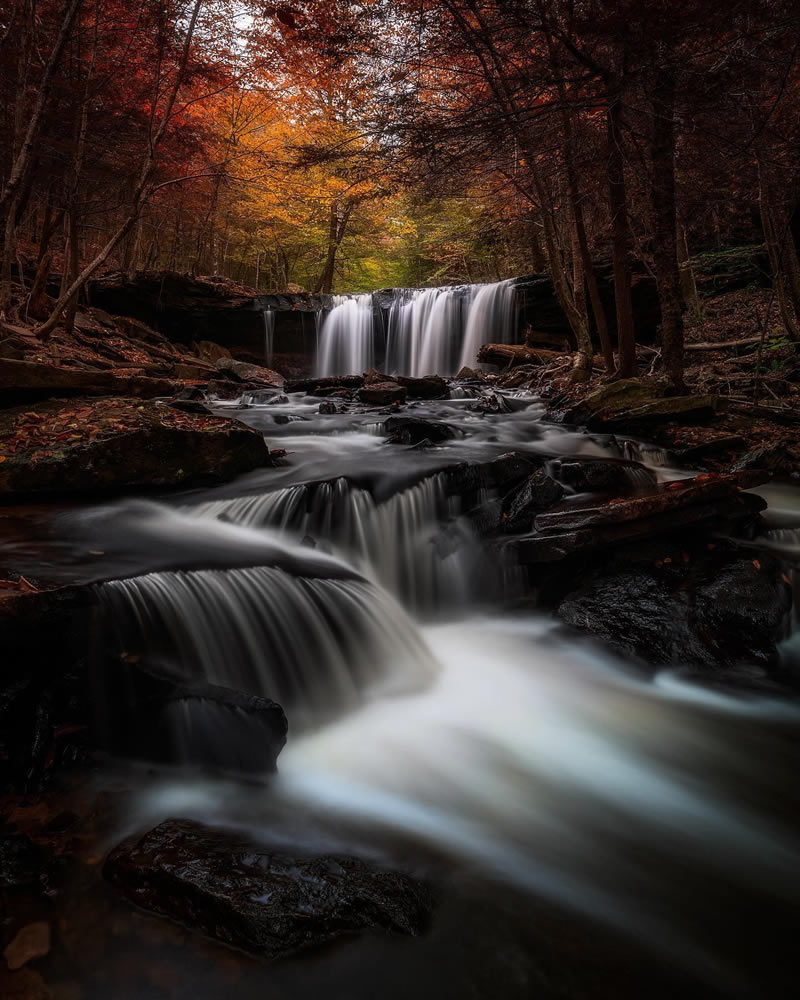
(666, 569)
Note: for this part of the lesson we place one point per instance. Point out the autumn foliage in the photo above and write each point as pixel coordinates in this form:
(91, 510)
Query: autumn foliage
(361, 143)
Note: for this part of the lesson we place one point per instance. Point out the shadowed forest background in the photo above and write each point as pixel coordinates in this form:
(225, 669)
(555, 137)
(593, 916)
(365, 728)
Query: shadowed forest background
(343, 146)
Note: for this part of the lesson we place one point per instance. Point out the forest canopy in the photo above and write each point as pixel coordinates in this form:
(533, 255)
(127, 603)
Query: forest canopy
(354, 144)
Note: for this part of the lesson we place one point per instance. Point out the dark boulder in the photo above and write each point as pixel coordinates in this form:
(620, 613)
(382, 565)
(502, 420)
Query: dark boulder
(327, 407)
(327, 382)
(382, 393)
(241, 371)
(534, 495)
(413, 430)
(22, 863)
(427, 387)
(247, 896)
(700, 605)
(603, 475)
(468, 480)
(150, 711)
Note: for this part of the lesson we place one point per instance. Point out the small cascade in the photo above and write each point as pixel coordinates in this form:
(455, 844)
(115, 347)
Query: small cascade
(269, 335)
(316, 646)
(649, 455)
(401, 542)
(345, 343)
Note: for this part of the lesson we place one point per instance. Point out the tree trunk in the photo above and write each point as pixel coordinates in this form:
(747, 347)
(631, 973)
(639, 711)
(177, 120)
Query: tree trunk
(142, 191)
(665, 223)
(23, 156)
(776, 245)
(618, 205)
(38, 300)
(581, 243)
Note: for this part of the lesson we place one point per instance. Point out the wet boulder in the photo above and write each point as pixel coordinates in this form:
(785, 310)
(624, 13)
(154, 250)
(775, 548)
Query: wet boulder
(470, 375)
(469, 480)
(427, 387)
(326, 384)
(241, 371)
(22, 863)
(249, 896)
(151, 711)
(414, 430)
(696, 605)
(533, 496)
(382, 393)
(603, 475)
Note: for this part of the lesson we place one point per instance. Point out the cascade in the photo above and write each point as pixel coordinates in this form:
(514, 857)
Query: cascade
(317, 646)
(401, 542)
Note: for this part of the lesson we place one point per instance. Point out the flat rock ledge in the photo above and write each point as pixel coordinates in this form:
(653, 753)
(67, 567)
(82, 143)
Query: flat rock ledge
(108, 445)
(247, 896)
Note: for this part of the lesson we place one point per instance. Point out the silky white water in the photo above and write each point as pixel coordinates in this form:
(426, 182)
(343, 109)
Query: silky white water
(499, 743)
(428, 330)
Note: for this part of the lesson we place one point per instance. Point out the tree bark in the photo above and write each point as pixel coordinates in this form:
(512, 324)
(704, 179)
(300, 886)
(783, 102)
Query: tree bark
(23, 157)
(665, 223)
(776, 246)
(618, 205)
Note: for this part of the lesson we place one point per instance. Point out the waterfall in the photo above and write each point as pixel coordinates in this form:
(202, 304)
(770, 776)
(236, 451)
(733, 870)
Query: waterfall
(400, 543)
(346, 343)
(269, 334)
(318, 647)
(430, 331)
(491, 320)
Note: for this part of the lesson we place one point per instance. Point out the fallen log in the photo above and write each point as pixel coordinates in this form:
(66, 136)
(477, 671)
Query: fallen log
(511, 355)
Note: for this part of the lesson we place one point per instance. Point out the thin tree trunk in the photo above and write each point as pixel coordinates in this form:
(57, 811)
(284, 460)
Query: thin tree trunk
(23, 157)
(618, 205)
(582, 247)
(665, 224)
(776, 244)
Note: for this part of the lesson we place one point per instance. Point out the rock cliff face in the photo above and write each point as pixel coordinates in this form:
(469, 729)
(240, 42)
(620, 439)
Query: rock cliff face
(189, 310)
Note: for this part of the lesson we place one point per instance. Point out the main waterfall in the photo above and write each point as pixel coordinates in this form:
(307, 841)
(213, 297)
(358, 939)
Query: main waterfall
(424, 331)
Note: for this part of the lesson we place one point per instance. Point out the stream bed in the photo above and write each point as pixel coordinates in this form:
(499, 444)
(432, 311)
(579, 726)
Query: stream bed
(593, 829)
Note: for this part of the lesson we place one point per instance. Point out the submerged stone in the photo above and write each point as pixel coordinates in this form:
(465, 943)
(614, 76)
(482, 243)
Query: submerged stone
(251, 897)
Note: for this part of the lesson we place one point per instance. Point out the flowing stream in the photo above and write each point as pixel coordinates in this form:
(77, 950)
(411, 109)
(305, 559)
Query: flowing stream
(424, 711)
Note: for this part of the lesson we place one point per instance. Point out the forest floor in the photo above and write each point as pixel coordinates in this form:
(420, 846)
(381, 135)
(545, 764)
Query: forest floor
(757, 380)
